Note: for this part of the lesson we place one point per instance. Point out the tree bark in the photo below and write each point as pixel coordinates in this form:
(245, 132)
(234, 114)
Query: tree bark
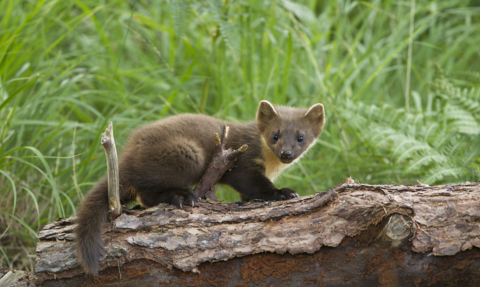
(16, 278)
(353, 234)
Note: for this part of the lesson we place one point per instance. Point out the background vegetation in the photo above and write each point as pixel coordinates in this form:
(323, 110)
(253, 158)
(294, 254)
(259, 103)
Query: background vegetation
(399, 80)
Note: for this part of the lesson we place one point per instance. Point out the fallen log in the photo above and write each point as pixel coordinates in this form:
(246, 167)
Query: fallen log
(358, 234)
(16, 278)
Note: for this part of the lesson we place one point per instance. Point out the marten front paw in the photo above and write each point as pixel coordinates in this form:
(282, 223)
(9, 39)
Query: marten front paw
(285, 194)
(184, 197)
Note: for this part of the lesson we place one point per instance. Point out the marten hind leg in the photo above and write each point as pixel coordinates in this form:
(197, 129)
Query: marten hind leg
(177, 197)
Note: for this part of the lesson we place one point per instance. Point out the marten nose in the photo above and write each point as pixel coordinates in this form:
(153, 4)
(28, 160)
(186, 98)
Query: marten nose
(286, 154)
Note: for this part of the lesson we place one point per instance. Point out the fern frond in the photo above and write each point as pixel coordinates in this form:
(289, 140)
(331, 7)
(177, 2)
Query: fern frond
(453, 147)
(227, 30)
(385, 135)
(431, 128)
(468, 99)
(425, 160)
(180, 14)
(440, 172)
(437, 145)
(405, 144)
(467, 127)
(463, 120)
(471, 154)
(409, 153)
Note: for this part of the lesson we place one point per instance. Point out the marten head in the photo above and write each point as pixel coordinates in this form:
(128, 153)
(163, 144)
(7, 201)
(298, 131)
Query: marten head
(287, 131)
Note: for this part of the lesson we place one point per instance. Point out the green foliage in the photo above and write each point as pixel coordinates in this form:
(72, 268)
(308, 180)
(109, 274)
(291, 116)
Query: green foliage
(67, 68)
(436, 144)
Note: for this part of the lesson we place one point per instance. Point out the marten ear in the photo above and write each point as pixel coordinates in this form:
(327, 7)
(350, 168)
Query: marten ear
(266, 112)
(316, 115)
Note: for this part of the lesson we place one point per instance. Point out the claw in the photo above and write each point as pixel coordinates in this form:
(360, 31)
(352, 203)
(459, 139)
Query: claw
(181, 205)
(283, 197)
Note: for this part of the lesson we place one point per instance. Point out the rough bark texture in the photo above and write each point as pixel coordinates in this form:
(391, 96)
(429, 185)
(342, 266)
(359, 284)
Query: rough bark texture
(16, 278)
(386, 235)
(108, 142)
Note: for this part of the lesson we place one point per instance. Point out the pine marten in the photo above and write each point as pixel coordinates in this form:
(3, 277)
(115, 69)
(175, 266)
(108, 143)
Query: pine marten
(164, 159)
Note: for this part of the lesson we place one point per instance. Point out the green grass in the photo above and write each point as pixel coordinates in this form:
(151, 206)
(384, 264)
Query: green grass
(67, 68)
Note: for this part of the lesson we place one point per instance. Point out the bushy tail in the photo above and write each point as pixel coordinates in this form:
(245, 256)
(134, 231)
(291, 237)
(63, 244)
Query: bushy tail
(91, 217)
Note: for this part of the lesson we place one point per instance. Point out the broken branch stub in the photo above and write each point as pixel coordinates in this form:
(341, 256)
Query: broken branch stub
(223, 159)
(108, 142)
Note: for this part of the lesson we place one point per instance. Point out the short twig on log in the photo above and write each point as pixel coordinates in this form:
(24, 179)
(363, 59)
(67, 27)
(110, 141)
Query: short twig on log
(223, 159)
(108, 142)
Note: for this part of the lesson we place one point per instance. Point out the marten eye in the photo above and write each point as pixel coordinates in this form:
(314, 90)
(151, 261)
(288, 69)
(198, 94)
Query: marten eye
(275, 137)
(300, 139)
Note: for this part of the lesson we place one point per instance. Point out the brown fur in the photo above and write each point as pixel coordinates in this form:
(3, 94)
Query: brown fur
(164, 159)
